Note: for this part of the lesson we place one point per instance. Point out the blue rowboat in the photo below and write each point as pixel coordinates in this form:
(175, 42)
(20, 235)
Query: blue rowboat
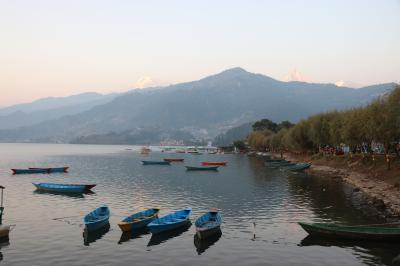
(201, 168)
(208, 224)
(63, 188)
(30, 171)
(156, 163)
(299, 167)
(62, 169)
(97, 218)
(138, 220)
(171, 221)
(36, 170)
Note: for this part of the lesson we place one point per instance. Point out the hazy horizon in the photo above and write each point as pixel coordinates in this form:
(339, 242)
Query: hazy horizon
(55, 49)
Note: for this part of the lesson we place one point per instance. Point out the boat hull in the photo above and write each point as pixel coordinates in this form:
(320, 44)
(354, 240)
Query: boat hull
(170, 222)
(173, 159)
(214, 163)
(204, 168)
(208, 224)
(155, 163)
(352, 232)
(63, 188)
(30, 171)
(133, 223)
(299, 167)
(97, 219)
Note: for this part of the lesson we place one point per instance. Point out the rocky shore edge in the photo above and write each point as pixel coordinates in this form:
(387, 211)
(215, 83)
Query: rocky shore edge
(378, 194)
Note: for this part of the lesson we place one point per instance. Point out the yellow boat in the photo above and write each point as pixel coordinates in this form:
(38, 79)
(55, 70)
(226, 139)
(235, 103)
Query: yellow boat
(138, 220)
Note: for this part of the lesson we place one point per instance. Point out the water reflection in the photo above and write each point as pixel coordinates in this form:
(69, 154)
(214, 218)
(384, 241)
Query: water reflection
(71, 195)
(382, 253)
(203, 244)
(90, 237)
(4, 241)
(157, 239)
(138, 233)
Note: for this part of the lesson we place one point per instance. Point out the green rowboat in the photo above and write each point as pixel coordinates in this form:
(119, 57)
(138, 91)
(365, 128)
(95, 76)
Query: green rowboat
(352, 232)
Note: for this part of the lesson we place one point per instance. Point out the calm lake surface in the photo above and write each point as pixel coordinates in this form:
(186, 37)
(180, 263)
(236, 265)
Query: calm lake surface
(260, 209)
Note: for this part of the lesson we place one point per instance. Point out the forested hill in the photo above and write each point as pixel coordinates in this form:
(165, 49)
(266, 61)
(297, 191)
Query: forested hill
(203, 108)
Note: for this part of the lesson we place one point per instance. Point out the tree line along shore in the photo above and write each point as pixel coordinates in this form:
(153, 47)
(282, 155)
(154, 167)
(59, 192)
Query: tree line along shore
(360, 145)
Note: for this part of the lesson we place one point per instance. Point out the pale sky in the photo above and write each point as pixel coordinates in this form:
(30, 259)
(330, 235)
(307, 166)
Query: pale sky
(59, 48)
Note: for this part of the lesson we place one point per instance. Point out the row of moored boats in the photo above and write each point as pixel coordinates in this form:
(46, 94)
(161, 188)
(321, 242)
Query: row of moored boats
(207, 225)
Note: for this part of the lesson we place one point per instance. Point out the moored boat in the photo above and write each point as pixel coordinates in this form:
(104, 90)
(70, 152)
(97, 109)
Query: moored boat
(62, 169)
(138, 220)
(171, 221)
(30, 171)
(201, 168)
(214, 163)
(352, 232)
(298, 167)
(208, 224)
(173, 159)
(156, 163)
(97, 219)
(63, 188)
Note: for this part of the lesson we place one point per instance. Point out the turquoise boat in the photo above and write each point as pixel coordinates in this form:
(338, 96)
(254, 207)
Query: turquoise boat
(36, 170)
(138, 220)
(201, 168)
(208, 224)
(298, 167)
(156, 163)
(171, 221)
(63, 188)
(97, 219)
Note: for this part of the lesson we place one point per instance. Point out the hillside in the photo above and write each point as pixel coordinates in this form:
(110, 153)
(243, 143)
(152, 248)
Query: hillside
(203, 108)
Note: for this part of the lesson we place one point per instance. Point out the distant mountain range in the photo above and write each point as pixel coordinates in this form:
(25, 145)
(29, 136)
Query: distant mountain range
(198, 110)
(50, 108)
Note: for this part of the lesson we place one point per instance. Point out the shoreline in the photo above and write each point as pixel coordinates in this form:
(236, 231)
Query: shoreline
(379, 193)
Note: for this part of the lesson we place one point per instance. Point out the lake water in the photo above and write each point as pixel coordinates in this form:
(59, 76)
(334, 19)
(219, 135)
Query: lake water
(260, 208)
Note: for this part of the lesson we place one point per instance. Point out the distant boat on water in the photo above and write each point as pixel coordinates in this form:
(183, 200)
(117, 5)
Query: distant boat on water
(63, 188)
(156, 163)
(37, 170)
(145, 150)
(214, 163)
(173, 159)
(201, 168)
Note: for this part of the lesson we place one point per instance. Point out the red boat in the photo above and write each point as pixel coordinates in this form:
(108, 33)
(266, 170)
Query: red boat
(214, 163)
(174, 159)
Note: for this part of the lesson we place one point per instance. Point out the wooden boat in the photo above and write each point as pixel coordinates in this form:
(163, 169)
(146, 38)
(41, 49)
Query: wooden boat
(156, 163)
(138, 220)
(36, 170)
(298, 167)
(352, 232)
(63, 188)
(97, 219)
(63, 169)
(208, 224)
(282, 165)
(30, 171)
(214, 163)
(201, 168)
(194, 152)
(173, 159)
(171, 221)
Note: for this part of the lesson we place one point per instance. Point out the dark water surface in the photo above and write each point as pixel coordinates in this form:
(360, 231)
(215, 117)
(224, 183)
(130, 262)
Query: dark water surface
(260, 209)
